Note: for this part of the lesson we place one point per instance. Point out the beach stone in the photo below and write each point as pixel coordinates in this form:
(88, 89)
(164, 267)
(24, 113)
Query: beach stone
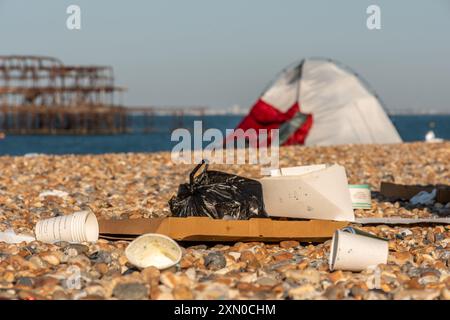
(289, 244)
(430, 272)
(171, 280)
(215, 261)
(412, 294)
(199, 247)
(412, 271)
(304, 292)
(181, 292)
(46, 281)
(50, 258)
(122, 260)
(439, 237)
(413, 283)
(267, 281)
(214, 291)
(248, 257)
(358, 292)
(29, 295)
(102, 268)
(400, 258)
(374, 295)
(92, 297)
(130, 270)
(428, 280)
(151, 275)
(283, 256)
(187, 261)
(130, 291)
(334, 292)
(445, 294)
(80, 260)
(62, 244)
(60, 295)
(74, 249)
(101, 257)
(247, 278)
(37, 262)
(310, 275)
(337, 276)
(7, 276)
(95, 291)
(25, 282)
(236, 255)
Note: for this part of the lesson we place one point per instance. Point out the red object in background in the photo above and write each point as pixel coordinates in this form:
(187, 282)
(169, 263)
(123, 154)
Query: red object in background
(300, 135)
(264, 116)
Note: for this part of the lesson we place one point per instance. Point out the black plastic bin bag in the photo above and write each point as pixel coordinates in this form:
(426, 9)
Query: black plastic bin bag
(218, 195)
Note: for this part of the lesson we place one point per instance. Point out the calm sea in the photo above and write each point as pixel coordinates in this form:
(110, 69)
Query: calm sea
(410, 127)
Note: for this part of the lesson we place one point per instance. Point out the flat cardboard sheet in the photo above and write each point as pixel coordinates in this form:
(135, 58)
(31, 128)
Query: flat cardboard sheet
(311, 192)
(207, 229)
(406, 192)
(400, 220)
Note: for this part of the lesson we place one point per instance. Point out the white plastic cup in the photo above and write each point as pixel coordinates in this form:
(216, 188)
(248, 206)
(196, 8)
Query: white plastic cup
(153, 249)
(357, 251)
(81, 226)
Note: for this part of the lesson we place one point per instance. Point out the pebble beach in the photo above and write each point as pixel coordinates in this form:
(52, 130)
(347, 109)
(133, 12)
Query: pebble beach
(139, 185)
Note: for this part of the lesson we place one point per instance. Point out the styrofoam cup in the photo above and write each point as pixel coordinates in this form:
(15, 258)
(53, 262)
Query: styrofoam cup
(357, 251)
(81, 226)
(153, 249)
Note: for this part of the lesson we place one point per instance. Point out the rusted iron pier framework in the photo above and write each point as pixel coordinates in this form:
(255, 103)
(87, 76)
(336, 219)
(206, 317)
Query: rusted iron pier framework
(41, 95)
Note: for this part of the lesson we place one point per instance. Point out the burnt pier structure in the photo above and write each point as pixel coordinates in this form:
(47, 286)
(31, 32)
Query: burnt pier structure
(41, 95)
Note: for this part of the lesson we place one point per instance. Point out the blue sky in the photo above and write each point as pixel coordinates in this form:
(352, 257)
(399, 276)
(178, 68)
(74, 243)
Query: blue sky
(220, 53)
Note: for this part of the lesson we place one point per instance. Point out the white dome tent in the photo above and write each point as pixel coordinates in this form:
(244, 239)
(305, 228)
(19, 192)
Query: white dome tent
(321, 102)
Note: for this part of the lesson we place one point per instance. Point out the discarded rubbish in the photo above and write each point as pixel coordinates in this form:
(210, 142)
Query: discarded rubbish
(423, 197)
(405, 232)
(206, 229)
(296, 171)
(78, 227)
(360, 195)
(406, 192)
(55, 193)
(9, 236)
(311, 192)
(218, 195)
(356, 250)
(406, 221)
(155, 250)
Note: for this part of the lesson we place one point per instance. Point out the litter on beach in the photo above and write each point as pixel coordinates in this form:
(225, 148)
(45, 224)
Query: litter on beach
(78, 227)
(206, 229)
(317, 192)
(54, 193)
(154, 250)
(356, 250)
(218, 195)
(407, 192)
(360, 195)
(424, 197)
(9, 236)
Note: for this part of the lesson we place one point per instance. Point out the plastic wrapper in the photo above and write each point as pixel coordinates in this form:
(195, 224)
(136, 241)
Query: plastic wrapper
(218, 195)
